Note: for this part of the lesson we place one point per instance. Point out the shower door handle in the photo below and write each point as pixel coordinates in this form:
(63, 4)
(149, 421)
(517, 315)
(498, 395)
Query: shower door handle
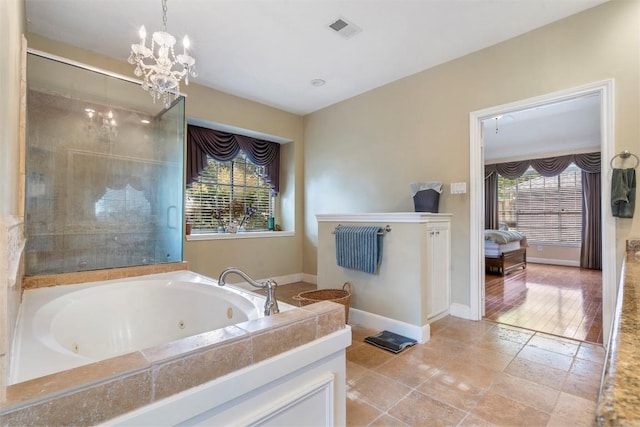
(174, 209)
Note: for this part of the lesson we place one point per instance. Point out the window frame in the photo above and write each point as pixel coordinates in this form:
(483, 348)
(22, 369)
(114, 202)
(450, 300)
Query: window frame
(573, 217)
(226, 209)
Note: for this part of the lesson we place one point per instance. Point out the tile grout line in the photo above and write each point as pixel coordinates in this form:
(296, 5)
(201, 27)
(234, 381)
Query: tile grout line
(476, 344)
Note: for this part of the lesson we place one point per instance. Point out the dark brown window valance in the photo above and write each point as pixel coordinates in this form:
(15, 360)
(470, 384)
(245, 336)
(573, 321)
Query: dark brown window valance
(548, 167)
(225, 146)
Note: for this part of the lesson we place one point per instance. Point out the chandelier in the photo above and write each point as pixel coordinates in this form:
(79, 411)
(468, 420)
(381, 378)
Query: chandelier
(162, 70)
(101, 125)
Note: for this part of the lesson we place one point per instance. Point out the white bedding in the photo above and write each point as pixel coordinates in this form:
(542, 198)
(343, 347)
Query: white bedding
(503, 236)
(493, 249)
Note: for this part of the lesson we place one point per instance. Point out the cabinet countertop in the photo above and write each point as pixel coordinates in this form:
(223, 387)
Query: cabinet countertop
(619, 402)
(384, 216)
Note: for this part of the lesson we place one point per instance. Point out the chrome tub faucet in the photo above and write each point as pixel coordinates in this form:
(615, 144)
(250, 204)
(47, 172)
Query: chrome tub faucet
(271, 303)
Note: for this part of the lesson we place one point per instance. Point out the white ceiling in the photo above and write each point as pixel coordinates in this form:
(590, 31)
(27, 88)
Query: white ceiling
(270, 50)
(572, 125)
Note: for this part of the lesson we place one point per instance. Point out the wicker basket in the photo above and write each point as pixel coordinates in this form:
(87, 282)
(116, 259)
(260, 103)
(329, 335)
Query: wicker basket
(341, 296)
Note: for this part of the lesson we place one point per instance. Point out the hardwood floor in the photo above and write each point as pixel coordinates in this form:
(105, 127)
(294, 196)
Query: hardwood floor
(563, 301)
(285, 293)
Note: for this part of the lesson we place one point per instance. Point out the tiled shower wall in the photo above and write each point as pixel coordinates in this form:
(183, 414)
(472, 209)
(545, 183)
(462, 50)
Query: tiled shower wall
(104, 171)
(93, 202)
(11, 271)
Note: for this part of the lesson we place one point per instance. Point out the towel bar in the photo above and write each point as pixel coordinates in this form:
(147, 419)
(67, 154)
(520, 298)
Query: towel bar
(386, 229)
(625, 155)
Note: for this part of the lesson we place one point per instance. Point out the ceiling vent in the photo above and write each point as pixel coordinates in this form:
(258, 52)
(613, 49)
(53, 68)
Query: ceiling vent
(345, 28)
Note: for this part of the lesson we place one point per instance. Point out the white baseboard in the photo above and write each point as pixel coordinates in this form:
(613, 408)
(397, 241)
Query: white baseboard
(310, 278)
(421, 334)
(564, 262)
(280, 280)
(291, 278)
(460, 310)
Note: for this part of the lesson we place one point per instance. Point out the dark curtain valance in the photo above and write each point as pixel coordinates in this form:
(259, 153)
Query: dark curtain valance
(548, 167)
(225, 146)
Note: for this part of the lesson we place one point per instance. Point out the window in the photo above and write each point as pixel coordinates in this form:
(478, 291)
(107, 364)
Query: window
(123, 205)
(228, 192)
(546, 210)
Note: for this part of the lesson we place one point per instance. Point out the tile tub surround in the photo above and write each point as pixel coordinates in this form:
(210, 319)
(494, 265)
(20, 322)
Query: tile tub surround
(100, 391)
(13, 229)
(43, 281)
(619, 402)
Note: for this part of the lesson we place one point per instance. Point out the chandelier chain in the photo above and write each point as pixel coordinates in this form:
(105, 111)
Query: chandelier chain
(164, 14)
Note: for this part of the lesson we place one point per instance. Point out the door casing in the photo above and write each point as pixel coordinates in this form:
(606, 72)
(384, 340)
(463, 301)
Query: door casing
(476, 189)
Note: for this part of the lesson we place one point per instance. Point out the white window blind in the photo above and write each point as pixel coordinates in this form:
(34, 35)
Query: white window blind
(227, 192)
(546, 210)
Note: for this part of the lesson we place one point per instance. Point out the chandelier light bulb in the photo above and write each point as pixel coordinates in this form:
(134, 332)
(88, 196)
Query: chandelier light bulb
(158, 66)
(101, 125)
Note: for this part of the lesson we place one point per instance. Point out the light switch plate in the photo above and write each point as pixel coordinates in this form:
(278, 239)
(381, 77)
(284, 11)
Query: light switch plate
(458, 187)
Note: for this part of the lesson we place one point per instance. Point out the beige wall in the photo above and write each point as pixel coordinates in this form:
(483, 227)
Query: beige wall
(362, 154)
(553, 254)
(261, 258)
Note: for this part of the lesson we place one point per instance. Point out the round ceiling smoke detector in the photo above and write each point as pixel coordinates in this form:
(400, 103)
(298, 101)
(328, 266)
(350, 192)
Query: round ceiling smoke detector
(318, 82)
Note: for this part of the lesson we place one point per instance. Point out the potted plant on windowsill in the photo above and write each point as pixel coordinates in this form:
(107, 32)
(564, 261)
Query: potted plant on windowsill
(188, 225)
(218, 215)
(249, 211)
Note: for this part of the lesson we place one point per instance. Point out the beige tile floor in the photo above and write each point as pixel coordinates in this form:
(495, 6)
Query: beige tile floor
(474, 373)
(470, 374)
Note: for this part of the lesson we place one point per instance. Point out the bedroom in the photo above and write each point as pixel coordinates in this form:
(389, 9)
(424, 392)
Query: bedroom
(539, 274)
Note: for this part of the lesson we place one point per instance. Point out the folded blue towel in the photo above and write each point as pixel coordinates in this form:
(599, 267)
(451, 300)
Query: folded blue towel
(359, 248)
(623, 193)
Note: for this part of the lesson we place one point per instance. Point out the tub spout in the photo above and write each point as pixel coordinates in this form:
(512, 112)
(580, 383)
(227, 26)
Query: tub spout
(271, 303)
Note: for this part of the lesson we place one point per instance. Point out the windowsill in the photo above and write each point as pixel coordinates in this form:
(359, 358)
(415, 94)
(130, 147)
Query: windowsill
(241, 235)
(556, 244)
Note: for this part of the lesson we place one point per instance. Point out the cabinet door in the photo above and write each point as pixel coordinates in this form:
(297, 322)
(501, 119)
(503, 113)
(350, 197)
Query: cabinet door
(439, 265)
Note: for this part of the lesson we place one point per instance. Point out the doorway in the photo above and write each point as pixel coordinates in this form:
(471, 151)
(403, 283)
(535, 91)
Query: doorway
(605, 91)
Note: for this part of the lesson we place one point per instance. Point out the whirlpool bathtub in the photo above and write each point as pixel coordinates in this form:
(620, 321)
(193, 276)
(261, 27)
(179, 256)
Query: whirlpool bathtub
(64, 327)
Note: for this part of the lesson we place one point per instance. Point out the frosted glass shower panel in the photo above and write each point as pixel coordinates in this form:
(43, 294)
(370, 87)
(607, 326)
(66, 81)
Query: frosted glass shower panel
(104, 169)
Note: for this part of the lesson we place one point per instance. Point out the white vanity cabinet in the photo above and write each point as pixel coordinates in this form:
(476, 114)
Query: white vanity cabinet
(438, 267)
(411, 288)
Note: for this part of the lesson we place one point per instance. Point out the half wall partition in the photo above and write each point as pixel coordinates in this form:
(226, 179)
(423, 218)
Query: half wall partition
(104, 171)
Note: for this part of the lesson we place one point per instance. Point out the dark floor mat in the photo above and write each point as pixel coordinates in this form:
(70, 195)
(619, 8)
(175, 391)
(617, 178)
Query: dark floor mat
(390, 341)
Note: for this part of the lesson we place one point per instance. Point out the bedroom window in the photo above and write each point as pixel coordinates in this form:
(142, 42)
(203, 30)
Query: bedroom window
(228, 192)
(546, 210)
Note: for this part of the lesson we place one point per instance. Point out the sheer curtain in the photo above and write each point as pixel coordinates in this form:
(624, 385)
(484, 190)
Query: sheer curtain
(590, 164)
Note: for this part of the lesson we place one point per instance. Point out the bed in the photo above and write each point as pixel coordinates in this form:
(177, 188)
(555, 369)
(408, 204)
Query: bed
(504, 251)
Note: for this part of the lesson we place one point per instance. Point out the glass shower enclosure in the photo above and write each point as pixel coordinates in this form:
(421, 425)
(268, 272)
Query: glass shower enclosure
(104, 171)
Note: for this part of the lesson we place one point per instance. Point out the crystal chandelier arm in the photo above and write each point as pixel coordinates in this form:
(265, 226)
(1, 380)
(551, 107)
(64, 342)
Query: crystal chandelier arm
(156, 67)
